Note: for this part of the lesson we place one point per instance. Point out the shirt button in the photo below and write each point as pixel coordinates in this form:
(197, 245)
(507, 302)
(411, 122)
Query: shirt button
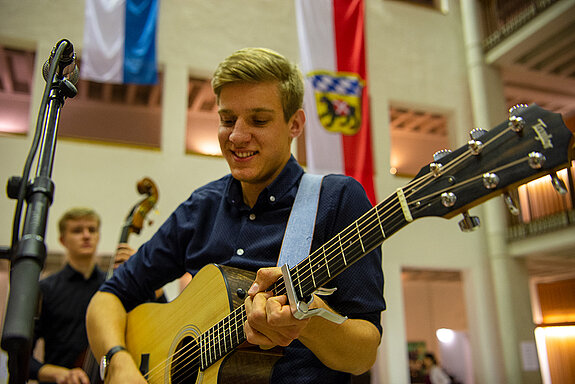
(272, 198)
(239, 252)
(252, 216)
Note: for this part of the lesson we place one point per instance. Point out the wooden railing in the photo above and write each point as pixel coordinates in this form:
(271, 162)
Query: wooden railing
(542, 208)
(503, 18)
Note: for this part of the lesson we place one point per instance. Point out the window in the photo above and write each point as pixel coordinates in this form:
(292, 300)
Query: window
(114, 113)
(16, 75)
(415, 136)
(203, 119)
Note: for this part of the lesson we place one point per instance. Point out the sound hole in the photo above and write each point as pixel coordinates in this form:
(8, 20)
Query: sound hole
(185, 364)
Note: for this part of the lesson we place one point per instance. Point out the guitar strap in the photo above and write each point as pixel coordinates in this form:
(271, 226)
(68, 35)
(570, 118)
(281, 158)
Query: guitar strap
(297, 239)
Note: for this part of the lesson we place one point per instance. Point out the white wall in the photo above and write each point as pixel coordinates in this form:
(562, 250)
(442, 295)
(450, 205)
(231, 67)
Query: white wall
(415, 57)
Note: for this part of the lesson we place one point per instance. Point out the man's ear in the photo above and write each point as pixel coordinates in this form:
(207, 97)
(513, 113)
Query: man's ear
(297, 123)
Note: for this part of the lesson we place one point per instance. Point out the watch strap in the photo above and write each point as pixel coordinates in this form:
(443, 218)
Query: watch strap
(105, 363)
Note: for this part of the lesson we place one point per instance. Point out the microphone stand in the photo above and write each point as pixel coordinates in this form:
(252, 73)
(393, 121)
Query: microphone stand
(28, 254)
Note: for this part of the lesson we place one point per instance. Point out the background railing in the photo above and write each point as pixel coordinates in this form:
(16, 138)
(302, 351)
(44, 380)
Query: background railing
(502, 18)
(542, 208)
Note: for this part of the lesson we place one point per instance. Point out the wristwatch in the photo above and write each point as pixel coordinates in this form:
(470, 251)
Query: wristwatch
(105, 362)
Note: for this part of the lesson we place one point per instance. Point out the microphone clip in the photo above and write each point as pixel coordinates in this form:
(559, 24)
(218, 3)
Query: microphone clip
(66, 65)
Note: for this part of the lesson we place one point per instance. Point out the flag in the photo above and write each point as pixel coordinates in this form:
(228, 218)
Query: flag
(120, 41)
(331, 37)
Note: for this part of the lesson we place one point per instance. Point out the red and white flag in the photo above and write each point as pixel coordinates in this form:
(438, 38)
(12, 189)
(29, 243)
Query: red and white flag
(338, 138)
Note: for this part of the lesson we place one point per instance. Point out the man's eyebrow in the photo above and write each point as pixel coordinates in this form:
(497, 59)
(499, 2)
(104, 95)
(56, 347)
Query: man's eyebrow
(262, 109)
(259, 109)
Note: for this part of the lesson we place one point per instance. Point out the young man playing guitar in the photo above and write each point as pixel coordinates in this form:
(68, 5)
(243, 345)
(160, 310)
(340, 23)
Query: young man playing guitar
(239, 221)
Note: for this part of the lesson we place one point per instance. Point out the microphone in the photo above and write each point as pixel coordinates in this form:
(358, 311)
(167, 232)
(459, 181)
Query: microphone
(66, 66)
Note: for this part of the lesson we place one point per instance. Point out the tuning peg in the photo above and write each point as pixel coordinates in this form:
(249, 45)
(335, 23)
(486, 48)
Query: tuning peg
(516, 123)
(469, 223)
(475, 147)
(476, 133)
(536, 160)
(517, 108)
(511, 204)
(448, 199)
(558, 184)
(435, 169)
(490, 180)
(441, 154)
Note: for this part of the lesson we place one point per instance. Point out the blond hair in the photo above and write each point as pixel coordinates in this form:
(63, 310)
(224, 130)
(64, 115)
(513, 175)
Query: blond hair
(259, 65)
(75, 214)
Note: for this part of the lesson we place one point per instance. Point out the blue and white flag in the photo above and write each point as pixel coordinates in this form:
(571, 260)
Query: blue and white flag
(120, 41)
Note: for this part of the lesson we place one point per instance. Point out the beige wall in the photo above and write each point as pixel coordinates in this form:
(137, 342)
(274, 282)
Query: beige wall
(415, 58)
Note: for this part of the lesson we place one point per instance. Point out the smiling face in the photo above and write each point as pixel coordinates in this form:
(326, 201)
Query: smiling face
(254, 137)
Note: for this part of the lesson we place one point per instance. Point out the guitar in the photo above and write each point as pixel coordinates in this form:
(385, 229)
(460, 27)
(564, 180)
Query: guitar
(133, 223)
(172, 345)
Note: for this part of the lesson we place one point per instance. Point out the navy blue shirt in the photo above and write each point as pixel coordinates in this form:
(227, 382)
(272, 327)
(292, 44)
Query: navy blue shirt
(214, 225)
(65, 298)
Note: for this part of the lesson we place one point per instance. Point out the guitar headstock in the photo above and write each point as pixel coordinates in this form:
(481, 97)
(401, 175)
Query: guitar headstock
(532, 143)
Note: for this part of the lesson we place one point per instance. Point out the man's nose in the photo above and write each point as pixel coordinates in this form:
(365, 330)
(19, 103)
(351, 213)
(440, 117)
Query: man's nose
(240, 132)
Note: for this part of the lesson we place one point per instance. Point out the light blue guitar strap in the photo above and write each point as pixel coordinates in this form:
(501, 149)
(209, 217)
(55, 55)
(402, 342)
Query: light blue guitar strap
(296, 246)
(296, 243)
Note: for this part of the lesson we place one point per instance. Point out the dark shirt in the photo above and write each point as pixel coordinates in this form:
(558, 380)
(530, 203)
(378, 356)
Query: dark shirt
(65, 298)
(215, 226)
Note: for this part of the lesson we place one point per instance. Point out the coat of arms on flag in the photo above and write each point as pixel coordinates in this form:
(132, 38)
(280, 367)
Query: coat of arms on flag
(338, 100)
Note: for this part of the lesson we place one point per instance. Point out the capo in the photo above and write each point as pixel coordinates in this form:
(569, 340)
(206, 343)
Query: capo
(300, 309)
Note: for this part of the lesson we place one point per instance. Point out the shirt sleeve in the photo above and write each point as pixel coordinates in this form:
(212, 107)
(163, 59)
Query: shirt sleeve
(35, 366)
(157, 262)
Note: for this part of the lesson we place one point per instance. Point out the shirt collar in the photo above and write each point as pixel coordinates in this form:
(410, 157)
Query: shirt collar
(71, 274)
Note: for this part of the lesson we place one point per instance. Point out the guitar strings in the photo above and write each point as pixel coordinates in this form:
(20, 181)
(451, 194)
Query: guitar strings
(385, 208)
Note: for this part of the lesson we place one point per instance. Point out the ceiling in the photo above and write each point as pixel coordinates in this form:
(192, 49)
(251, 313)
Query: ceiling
(16, 69)
(538, 61)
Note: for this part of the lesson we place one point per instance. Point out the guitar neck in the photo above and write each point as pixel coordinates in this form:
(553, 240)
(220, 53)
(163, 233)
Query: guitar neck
(347, 247)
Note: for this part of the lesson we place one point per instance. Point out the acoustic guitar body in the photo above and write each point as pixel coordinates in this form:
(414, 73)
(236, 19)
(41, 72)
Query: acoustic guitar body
(163, 338)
